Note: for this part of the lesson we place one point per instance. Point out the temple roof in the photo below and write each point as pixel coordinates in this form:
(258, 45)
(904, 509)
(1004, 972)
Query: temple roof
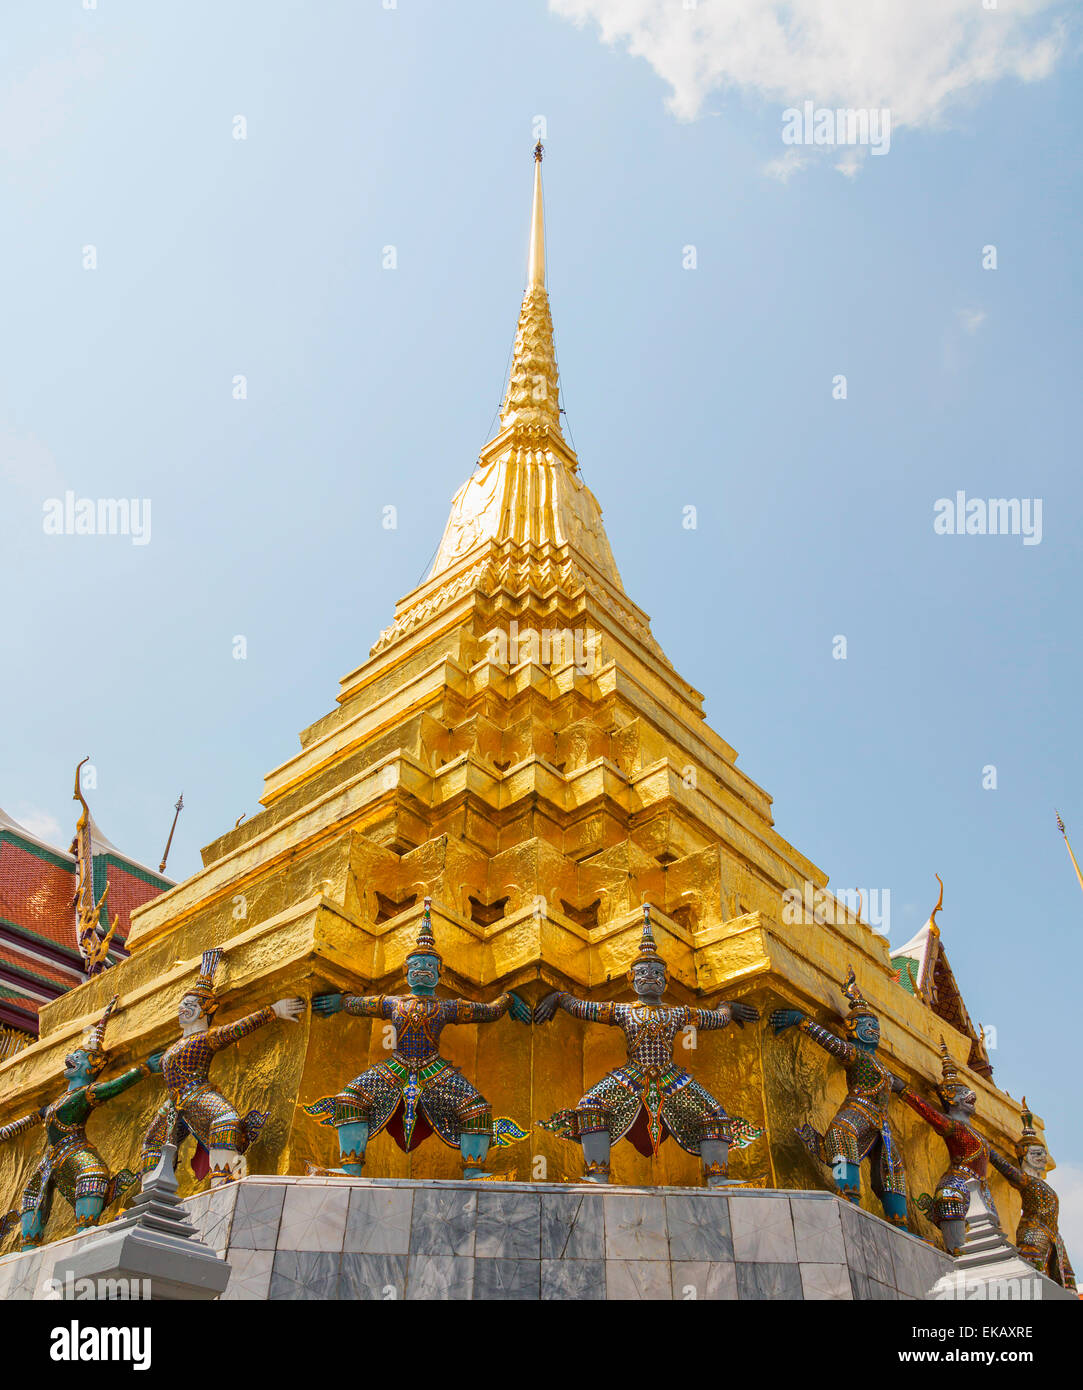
(924, 971)
(38, 956)
(39, 976)
(103, 845)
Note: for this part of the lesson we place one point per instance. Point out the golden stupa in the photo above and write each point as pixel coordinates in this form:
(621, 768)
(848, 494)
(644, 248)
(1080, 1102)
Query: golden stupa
(518, 746)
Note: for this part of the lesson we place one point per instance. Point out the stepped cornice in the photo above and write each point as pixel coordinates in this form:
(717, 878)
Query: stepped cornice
(516, 568)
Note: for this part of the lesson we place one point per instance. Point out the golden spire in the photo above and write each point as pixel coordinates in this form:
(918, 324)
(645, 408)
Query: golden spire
(536, 262)
(532, 397)
(1071, 856)
(526, 495)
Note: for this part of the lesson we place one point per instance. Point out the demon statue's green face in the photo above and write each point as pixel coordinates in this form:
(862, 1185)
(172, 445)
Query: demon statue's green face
(423, 973)
(78, 1066)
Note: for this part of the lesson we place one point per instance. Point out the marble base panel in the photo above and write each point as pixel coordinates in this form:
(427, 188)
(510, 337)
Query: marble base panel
(380, 1240)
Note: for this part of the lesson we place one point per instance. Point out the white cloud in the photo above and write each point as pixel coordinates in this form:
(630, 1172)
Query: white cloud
(40, 823)
(786, 165)
(851, 162)
(1066, 1180)
(971, 319)
(915, 57)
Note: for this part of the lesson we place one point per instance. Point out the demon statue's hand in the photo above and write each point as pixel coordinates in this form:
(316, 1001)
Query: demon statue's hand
(544, 1011)
(782, 1019)
(898, 1085)
(154, 1061)
(743, 1013)
(289, 1009)
(324, 1005)
(519, 1010)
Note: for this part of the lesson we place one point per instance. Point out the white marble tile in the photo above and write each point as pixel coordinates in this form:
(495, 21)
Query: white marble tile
(818, 1230)
(215, 1215)
(379, 1220)
(256, 1217)
(305, 1275)
(507, 1280)
(763, 1282)
(573, 1280)
(250, 1275)
(313, 1218)
(762, 1230)
(572, 1226)
(8, 1266)
(509, 1226)
(444, 1222)
(853, 1237)
(872, 1291)
(24, 1284)
(195, 1210)
(917, 1267)
(626, 1280)
(826, 1281)
(49, 1255)
(635, 1228)
(699, 1227)
(876, 1239)
(704, 1279)
(372, 1278)
(440, 1277)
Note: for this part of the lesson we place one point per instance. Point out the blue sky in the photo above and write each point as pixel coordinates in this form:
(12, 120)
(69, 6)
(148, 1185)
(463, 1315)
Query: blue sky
(711, 387)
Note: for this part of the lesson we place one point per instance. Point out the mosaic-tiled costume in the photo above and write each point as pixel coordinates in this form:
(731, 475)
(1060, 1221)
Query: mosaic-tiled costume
(1037, 1237)
(967, 1150)
(415, 1092)
(193, 1105)
(860, 1128)
(70, 1164)
(650, 1096)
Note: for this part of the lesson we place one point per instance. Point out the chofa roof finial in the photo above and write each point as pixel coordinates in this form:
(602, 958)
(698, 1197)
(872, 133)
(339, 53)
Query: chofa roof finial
(939, 904)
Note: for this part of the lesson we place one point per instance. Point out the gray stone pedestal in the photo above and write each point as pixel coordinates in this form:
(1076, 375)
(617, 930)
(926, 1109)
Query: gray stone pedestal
(151, 1251)
(990, 1267)
(381, 1240)
(327, 1237)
